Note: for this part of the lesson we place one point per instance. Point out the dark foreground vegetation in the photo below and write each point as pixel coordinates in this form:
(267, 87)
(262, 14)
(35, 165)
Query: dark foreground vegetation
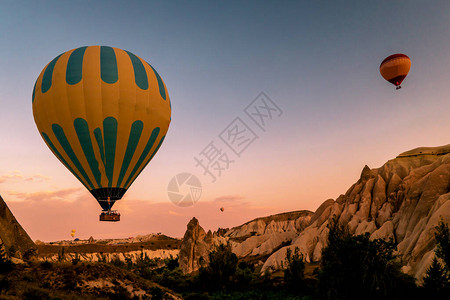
(352, 267)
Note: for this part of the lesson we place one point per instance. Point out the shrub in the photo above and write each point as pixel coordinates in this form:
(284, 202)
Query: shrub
(157, 293)
(5, 263)
(36, 293)
(29, 253)
(172, 263)
(12, 251)
(46, 265)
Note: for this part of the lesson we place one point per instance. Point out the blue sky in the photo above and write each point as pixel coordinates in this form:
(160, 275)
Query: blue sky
(318, 60)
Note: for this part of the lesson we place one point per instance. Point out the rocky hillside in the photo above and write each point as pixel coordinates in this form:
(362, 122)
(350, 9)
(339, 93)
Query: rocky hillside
(257, 238)
(403, 200)
(12, 236)
(151, 246)
(48, 280)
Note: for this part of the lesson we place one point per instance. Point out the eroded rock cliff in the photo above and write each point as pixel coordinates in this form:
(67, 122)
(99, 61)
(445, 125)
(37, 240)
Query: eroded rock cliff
(12, 236)
(403, 200)
(259, 237)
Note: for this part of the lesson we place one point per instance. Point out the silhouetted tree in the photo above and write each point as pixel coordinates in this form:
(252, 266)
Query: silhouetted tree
(442, 236)
(354, 267)
(295, 268)
(222, 266)
(435, 278)
(61, 254)
(172, 263)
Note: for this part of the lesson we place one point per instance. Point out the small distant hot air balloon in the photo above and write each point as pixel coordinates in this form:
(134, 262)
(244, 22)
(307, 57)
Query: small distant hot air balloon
(394, 68)
(104, 113)
(222, 209)
(73, 232)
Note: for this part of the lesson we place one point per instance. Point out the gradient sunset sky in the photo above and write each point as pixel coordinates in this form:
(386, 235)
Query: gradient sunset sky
(317, 60)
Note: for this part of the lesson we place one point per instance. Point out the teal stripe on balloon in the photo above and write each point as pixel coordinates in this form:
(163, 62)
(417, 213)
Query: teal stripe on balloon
(108, 65)
(133, 140)
(61, 158)
(162, 90)
(144, 154)
(156, 150)
(74, 71)
(151, 157)
(34, 91)
(140, 76)
(82, 129)
(60, 135)
(48, 74)
(99, 138)
(110, 134)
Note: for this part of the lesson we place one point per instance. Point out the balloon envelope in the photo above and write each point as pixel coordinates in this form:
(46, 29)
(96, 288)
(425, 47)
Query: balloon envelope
(394, 68)
(104, 113)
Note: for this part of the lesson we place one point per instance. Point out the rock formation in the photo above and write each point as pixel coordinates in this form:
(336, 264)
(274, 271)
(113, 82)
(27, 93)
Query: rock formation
(195, 246)
(134, 256)
(12, 235)
(403, 200)
(259, 237)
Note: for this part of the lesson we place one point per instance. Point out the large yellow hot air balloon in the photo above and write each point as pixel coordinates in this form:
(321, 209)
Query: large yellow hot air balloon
(73, 232)
(394, 68)
(104, 112)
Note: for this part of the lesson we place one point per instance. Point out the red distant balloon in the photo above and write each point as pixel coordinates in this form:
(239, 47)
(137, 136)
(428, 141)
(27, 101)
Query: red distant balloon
(394, 68)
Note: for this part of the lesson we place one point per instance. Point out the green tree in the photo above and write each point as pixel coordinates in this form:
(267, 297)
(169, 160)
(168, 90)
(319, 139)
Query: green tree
(295, 268)
(435, 278)
(221, 268)
(442, 236)
(355, 267)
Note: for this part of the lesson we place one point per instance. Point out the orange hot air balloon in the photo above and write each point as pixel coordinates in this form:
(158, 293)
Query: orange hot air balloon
(222, 209)
(394, 68)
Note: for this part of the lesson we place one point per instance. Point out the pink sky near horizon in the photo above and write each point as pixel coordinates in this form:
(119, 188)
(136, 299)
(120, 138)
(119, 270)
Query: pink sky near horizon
(138, 217)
